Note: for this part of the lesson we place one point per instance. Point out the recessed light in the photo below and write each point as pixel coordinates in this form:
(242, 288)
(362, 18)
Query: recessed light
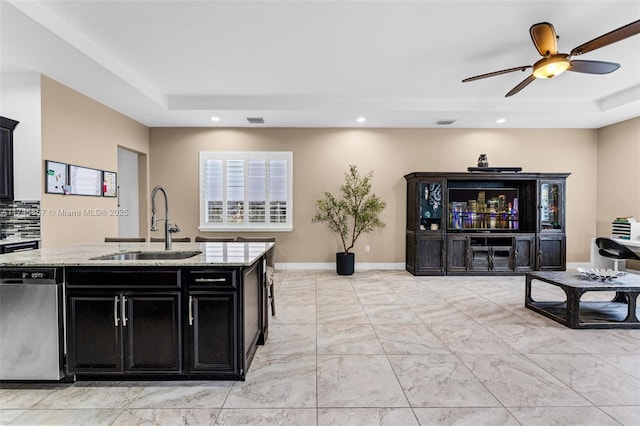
(361, 119)
(215, 119)
(501, 120)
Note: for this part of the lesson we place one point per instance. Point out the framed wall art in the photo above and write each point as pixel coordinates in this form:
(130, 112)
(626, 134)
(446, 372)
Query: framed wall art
(110, 184)
(85, 181)
(55, 177)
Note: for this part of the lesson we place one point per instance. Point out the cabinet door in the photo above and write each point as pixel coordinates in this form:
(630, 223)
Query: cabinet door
(500, 258)
(524, 255)
(213, 330)
(457, 254)
(551, 207)
(480, 258)
(430, 254)
(429, 205)
(152, 329)
(6, 164)
(94, 335)
(551, 253)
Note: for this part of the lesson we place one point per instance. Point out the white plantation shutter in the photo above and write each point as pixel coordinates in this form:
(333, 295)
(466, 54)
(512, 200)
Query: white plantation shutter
(257, 190)
(235, 191)
(278, 180)
(214, 190)
(246, 191)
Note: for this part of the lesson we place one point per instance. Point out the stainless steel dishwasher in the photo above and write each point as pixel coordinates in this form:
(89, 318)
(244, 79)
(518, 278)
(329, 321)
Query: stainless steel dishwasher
(31, 324)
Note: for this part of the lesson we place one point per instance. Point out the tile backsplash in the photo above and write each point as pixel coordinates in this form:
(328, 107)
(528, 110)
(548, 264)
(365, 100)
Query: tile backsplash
(20, 219)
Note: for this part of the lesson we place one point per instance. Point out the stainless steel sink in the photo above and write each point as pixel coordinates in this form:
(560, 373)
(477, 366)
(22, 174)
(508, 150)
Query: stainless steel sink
(149, 255)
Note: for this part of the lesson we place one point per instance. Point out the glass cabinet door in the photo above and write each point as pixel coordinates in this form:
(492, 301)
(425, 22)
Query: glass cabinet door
(551, 206)
(431, 200)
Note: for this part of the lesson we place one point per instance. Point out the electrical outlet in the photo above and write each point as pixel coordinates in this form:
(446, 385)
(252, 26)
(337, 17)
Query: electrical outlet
(367, 248)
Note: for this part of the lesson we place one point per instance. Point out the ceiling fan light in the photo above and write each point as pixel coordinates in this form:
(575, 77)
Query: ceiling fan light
(551, 66)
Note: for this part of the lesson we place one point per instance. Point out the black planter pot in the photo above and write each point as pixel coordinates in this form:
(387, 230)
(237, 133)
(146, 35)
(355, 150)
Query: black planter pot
(345, 263)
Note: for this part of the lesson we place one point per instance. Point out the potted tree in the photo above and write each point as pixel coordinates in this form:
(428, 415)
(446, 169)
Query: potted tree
(351, 215)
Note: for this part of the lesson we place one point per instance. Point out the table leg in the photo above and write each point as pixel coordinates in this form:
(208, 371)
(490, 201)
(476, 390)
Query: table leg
(573, 306)
(631, 307)
(527, 291)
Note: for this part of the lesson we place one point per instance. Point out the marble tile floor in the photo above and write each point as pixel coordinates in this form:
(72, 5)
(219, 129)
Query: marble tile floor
(382, 348)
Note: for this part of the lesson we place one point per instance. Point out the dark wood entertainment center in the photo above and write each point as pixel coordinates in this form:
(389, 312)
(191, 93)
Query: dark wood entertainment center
(485, 223)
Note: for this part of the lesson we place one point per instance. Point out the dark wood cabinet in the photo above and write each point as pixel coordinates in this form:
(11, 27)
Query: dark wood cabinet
(213, 321)
(457, 253)
(490, 254)
(225, 320)
(479, 253)
(118, 325)
(524, 255)
(428, 252)
(7, 126)
(551, 252)
(94, 334)
(165, 322)
(152, 332)
(485, 222)
(212, 325)
(124, 332)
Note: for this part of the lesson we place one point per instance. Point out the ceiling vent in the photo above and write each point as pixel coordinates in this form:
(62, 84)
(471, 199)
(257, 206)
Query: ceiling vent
(445, 121)
(255, 120)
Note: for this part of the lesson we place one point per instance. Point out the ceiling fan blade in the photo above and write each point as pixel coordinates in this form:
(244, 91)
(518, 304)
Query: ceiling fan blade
(524, 83)
(544, 38)
(593, 67)
(608, 38)
(492, 74)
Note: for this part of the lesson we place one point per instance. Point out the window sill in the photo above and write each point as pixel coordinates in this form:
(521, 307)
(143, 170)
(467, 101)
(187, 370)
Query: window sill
(257, 228)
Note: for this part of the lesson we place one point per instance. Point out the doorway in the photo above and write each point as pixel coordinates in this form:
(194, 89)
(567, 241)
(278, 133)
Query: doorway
(128, 193)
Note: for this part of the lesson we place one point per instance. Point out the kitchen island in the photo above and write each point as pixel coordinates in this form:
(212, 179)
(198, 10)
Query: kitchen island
(137, 311)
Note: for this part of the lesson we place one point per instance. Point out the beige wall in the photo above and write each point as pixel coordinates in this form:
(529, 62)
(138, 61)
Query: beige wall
(618, 177)
(321, 156)
(78, 130)
(81, 131)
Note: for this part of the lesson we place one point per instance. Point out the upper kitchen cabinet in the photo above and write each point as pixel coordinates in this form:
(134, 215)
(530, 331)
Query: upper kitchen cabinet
(6, 157)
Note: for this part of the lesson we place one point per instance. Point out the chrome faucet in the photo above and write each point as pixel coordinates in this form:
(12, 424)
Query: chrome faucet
(168, 228)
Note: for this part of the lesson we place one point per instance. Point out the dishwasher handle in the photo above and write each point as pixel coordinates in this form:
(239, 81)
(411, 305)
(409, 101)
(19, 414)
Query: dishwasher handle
(12, 281)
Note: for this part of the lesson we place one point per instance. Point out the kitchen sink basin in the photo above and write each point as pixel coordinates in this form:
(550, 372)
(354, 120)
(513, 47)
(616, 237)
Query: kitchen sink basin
(149, 255)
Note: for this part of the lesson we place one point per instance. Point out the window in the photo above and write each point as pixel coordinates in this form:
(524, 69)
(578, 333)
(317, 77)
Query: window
(248, 191)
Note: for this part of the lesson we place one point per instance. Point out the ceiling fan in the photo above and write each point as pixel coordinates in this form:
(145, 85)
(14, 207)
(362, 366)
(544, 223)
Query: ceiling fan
(553, 63)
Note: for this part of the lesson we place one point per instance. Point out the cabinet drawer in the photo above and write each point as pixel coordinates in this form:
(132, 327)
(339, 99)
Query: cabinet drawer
(123, 278)
(213, 278)
(15, 247)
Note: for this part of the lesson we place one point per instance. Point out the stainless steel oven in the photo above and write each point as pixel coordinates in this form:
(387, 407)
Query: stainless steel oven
(31, 324)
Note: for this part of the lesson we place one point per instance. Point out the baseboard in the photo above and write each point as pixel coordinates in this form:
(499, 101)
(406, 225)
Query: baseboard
(360, 266)
(364, 266)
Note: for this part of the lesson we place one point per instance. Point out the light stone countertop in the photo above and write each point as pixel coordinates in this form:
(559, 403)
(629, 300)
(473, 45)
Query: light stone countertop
(212, 254)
